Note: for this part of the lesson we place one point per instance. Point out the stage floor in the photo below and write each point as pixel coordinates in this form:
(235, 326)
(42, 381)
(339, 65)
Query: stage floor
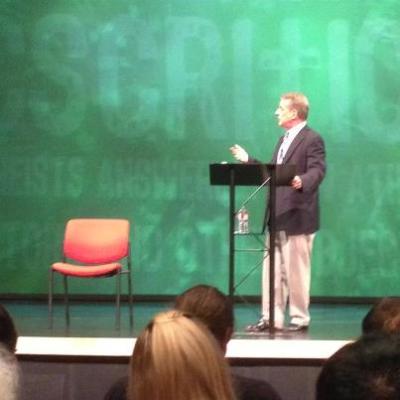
(329, 322)
(92, 334)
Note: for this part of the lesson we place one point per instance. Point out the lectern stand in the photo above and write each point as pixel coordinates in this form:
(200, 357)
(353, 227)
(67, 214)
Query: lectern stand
(233, 175)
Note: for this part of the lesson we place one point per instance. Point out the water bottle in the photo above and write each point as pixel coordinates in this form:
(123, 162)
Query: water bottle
(242, 221)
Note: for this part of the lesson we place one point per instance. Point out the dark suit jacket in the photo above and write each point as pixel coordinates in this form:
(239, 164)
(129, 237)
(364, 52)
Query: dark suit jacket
(297, 211)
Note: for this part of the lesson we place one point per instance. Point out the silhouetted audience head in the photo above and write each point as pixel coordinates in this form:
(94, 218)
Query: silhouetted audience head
(176, 358)
(9, 375)
(368, 369)
(212, 307)
(9, 371)
(8, 332)
(383, 317)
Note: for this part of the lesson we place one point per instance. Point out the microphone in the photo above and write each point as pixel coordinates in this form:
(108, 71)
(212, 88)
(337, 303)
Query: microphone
(252, 194)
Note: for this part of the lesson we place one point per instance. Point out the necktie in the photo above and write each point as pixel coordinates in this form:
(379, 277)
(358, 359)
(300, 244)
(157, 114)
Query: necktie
(282, 149)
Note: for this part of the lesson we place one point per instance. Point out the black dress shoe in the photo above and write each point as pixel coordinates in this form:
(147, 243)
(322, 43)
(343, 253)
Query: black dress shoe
(296, 328)
(260, 326)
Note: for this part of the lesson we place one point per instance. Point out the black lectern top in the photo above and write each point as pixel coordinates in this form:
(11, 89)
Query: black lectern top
(250, 174)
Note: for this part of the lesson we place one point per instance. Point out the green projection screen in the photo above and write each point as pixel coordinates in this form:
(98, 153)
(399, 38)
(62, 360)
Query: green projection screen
(115, 108)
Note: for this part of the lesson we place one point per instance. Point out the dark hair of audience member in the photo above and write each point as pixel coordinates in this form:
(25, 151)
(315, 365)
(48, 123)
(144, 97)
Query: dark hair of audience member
(8, 332)
(212, 307)
(368, 369)
(384, 316)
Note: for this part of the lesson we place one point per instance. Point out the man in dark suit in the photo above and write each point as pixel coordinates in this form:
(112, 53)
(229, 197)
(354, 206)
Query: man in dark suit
(297, 214)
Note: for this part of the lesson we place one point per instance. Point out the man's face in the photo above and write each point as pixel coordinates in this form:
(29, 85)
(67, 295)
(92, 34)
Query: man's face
(286, 114)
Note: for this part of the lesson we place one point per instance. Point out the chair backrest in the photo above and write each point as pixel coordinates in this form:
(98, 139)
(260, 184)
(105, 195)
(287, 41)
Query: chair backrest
(96, 241)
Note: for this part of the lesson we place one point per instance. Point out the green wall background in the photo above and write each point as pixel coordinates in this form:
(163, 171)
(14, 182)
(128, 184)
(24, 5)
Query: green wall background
(116, 108)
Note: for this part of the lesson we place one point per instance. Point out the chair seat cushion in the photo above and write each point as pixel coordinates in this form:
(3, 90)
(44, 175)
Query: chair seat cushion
(87, 271)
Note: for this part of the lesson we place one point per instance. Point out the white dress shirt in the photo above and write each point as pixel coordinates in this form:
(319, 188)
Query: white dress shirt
(288, 139)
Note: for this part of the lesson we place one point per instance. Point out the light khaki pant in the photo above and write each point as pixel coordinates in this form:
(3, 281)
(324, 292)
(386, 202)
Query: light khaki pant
(292, 278)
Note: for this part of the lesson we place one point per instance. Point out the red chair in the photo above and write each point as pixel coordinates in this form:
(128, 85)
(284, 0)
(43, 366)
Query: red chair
(94, 248)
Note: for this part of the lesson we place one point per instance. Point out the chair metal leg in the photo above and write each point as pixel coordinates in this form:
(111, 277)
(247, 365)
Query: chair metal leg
(130, 299)
(118, 302)
(66, 300)
(50, 300)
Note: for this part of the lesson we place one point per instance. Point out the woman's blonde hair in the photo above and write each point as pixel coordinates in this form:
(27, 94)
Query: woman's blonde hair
(176, 358)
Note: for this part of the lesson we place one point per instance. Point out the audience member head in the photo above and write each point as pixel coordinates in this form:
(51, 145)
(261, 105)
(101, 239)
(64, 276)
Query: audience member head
(213, 308)
(383, 317)
(8, 333)
(9, 374)
(176, 358)
(368, 369)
